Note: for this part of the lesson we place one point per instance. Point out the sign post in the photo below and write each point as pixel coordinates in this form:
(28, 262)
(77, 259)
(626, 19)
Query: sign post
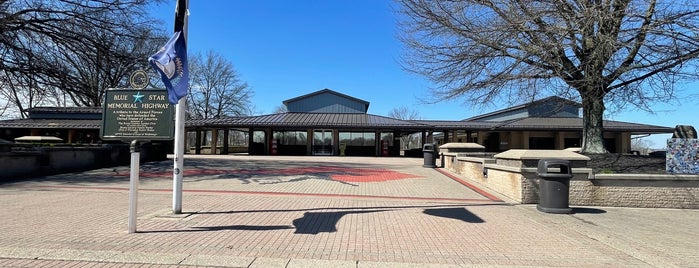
(133, 185)
(133, 116)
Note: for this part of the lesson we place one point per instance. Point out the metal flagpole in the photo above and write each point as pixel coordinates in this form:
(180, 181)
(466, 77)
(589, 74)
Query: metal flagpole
(181, 17)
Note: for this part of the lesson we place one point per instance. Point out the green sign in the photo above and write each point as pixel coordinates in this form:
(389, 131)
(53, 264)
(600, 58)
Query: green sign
(137, 114)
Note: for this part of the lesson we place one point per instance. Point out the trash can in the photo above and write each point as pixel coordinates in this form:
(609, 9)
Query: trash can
(428, 152)
(554, 183)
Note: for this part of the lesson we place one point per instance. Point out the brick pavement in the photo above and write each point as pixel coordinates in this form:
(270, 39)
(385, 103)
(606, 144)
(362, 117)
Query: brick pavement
(245, 211)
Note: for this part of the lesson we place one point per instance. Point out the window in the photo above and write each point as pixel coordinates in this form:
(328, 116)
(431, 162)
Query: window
(291, 137)
(387, 136)
(358, 138)
(258, 136)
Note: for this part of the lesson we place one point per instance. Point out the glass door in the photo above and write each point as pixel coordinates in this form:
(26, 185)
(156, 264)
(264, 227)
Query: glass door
(322, 142)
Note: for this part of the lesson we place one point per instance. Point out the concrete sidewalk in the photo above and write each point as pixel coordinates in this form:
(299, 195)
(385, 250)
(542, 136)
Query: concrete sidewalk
(246, 211)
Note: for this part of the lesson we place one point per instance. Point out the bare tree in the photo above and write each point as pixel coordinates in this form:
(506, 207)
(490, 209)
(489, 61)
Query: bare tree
(618, 52)
(642, 145)
(77, 47)
(280, 109)
(106, 62)
(216, 89)
(405, 113)
(17, 94)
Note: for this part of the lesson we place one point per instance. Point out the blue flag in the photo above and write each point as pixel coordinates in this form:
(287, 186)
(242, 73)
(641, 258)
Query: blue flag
(171, 63)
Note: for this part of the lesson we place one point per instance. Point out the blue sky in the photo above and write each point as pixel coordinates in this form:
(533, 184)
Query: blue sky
(284, 49)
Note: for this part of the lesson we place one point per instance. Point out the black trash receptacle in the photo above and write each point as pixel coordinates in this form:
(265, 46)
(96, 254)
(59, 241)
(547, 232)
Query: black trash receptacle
(554, 183)
(428, 152)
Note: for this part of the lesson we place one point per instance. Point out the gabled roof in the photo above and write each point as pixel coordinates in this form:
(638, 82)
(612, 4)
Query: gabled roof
(66, 110)
(456, 125)
(542, 124)
(319, 92)
(576, 124)
(310, 120)
(368, 121)
(78, 113)
(554, 99)
(51, 123)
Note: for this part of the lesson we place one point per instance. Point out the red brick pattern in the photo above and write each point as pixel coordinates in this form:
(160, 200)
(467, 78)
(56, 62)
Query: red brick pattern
(336, 173)
(80, 220)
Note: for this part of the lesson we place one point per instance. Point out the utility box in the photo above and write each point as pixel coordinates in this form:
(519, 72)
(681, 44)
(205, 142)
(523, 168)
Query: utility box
(554, 185)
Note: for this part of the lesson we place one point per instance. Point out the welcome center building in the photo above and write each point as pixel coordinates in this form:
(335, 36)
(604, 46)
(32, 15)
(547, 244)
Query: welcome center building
(327, 122)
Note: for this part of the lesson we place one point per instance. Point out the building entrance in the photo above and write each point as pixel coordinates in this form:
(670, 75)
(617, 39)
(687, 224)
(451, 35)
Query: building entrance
(322, 142)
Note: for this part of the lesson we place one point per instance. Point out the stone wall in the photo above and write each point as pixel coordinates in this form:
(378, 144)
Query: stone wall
(637, 190)
(513, 175)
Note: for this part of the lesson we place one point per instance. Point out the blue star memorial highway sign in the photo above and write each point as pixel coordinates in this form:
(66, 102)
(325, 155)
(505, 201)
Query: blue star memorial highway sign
(138, 97)
(137, 115)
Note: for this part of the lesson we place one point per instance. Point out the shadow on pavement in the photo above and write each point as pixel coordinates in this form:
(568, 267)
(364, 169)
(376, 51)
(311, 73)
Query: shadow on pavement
(588, 211)
(349, 208)
(220, 228)
(457, 213)
(322, 222)
(325, 222)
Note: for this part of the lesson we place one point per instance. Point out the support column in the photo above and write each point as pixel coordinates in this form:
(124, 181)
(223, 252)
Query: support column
(269, 135)
(559, 140)
(185, 142)
(623, 140)
(214, 141)
(336, 142)
(225, 141)
(251, 140)
(309, 142)
(396, 144)
(377, 143)
(197, 143)
(71, 136)
(525, 139)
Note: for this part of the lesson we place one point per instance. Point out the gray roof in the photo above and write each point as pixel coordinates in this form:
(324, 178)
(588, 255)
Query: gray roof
(65, 113)
(360, 121)
(311, 120)
(576, 124)
(544, 124)
(454, 125)
(368, 121)
(326, 91)
(554, 99)
(51, 123)
(66, 110)
(325, 105)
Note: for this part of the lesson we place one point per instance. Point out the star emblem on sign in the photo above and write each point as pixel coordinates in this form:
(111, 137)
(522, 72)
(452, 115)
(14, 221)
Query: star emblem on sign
(138, 97)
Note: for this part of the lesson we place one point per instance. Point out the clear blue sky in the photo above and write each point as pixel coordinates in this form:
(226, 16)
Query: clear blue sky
(284, 49)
